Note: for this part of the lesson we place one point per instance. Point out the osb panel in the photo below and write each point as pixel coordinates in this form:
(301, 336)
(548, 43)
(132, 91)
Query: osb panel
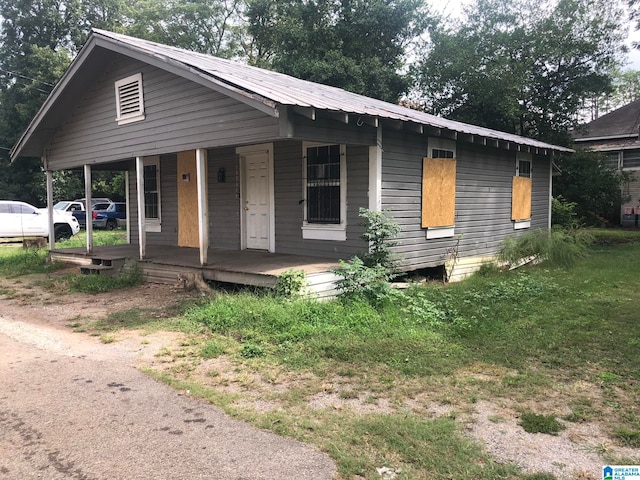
(438, 192)
(521, 198)
(187, 200)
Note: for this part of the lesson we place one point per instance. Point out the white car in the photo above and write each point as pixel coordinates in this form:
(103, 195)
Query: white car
(19, 219)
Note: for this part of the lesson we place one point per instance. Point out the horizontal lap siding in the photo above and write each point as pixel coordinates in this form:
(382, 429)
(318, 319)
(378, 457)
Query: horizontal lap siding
(289, 212)
(180, 115)
(323, 130)
(224, 199)
(483, 199)
(541, 195)
(168, 204)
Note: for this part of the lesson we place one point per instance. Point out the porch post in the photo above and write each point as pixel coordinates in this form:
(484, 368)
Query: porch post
(142, 235)
(127, 192)
(88, 209)
(52, 233)
(203, 208)
(375, 173)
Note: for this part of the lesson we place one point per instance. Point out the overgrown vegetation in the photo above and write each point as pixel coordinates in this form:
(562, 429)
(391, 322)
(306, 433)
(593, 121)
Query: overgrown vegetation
(290, 283)
(15, 261)
(368, 275)
(559, 247)
(524, 331)
(99, 283)
(507, 337)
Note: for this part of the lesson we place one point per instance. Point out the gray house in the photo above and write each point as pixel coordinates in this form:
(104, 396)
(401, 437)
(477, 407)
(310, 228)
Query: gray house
(227, 161)
(617, 134)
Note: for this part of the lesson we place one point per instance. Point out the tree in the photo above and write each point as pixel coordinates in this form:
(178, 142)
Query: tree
(595, 188)
(358, 45)
(210, 27)
(37, 41)
(522, 67)
(625, 89)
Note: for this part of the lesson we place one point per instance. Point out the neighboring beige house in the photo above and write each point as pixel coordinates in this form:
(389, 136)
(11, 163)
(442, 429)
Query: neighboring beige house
(618, 135)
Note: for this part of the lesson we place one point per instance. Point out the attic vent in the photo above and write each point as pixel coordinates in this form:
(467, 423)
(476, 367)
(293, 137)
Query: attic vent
(129, 99)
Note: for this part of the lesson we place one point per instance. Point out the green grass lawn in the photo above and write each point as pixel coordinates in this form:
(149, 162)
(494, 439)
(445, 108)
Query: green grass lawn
(557, 344)
(520, 337)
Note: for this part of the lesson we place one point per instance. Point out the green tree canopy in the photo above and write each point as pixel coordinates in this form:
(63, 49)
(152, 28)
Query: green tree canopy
(522, 67)
(586, 180)
(358, 45)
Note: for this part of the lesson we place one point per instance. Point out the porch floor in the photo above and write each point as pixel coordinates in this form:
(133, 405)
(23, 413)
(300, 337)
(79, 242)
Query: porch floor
(162, 264)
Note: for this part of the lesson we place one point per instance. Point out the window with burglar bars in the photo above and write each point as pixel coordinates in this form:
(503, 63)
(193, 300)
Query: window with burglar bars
(323, 184)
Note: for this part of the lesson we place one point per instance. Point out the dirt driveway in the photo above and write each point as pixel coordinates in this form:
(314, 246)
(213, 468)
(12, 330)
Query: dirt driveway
(74, 408)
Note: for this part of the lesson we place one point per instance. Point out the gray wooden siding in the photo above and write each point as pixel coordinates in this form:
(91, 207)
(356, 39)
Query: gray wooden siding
(323, 130)
(483, 199)
(180, 115)
(289, 213)
(168, 204)
(224, 199)
(541, 196)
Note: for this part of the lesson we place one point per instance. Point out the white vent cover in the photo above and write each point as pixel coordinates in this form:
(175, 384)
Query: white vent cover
(129, 99)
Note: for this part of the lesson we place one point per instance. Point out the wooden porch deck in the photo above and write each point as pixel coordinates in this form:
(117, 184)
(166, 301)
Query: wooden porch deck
(247, 267)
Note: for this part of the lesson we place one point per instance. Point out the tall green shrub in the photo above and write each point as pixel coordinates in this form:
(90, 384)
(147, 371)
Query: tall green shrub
(368, 276)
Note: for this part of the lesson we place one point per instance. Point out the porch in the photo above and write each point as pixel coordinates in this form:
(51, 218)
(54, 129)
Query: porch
(162, 264)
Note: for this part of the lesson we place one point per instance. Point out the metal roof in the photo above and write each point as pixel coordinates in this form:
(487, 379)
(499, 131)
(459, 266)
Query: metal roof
(263, 89)
(283, 89)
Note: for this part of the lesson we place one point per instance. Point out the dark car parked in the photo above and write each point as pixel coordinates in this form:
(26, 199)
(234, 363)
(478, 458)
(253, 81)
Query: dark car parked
(111, 217)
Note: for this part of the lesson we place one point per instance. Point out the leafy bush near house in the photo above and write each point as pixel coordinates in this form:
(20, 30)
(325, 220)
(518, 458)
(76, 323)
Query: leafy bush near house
(564, 213)
(290, 283)
(368, 276)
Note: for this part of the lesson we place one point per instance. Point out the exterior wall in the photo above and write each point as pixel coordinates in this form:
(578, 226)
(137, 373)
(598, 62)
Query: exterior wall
(224, 199)
(289, 212)
(632, 192)
(483, 199)
(180, 115)
(323, 130)
(168, 204)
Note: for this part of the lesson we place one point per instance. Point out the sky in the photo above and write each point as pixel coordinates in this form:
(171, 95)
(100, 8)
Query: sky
(454, 7)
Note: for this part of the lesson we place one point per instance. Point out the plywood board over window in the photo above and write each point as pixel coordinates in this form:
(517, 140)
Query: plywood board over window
(188, 230)
(521, 199)
(438, 192)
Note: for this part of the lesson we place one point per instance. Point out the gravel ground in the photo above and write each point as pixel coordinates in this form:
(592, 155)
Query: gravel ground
(72, 408)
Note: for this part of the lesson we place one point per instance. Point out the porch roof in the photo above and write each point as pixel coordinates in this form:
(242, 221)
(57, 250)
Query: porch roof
(268, 91)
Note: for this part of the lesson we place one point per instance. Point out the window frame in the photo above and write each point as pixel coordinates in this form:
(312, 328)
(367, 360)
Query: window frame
(622, 160)
(440, 145)
(134, 116)
(325, 231)
(153, 224)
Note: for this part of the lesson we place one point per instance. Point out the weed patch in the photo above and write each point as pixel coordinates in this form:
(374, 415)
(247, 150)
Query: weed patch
(628, 438)
(534, 423)
(103, 283)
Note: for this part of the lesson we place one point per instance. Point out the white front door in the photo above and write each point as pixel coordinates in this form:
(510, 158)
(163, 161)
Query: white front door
(257, 198)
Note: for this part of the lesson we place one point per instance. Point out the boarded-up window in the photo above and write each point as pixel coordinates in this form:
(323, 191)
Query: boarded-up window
(521, 198)
(438, 192)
